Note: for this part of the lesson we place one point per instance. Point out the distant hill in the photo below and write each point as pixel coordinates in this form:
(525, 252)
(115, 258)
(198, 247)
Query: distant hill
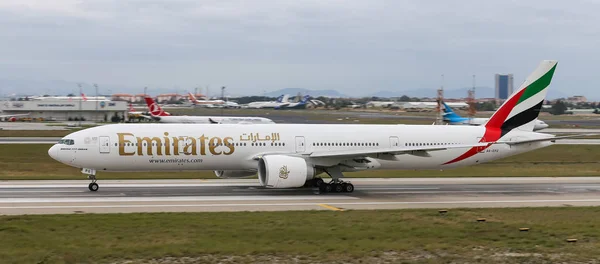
(313, 93)
(61, 87)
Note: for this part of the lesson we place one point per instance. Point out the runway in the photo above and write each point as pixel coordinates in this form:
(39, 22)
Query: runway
(126, 196)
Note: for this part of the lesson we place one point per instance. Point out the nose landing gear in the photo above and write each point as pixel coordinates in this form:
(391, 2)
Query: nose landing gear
(93, 186)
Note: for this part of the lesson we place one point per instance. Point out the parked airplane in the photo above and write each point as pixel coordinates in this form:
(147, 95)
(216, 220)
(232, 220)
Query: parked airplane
(292, 155)
(453, 118)
(282, 100)
(205, 103)
(133, 113)
(297, 105)
(158, 114)
(212, 103)
(11, 118)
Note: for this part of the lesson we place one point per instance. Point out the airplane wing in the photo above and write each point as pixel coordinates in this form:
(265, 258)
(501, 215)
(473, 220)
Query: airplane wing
(524, 141)
(419, 151)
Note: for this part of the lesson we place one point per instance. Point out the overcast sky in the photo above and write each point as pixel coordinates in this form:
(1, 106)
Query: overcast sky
(353, 46)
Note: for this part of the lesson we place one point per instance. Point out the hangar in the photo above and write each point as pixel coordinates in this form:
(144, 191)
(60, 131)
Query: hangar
(67, 110)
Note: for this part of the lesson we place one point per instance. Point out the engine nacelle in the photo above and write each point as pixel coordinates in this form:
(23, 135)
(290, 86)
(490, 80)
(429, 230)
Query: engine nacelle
(281, 171)
(234, 173)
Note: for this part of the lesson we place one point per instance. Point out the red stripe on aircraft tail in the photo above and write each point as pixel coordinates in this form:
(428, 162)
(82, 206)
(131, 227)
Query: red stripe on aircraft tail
(493, 130)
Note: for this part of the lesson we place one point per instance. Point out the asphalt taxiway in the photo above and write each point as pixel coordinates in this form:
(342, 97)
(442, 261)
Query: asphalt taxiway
(52, 197)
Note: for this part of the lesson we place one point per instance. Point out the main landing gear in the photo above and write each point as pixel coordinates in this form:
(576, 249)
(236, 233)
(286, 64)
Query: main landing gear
(336, 184)
(92, 176)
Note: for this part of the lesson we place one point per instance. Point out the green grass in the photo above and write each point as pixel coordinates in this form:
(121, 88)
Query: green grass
(32, 162)
(347, 237)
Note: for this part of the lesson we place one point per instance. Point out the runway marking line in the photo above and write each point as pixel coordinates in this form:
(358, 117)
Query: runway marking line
(332, 208)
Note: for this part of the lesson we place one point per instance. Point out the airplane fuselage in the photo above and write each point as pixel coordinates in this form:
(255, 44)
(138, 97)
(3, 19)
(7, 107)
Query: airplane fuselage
(179, 147)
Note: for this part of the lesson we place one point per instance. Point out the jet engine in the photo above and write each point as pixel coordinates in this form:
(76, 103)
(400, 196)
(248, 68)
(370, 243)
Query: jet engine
(281, 171)
(224, 174)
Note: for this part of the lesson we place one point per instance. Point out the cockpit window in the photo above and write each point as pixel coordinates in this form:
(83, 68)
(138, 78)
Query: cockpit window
(66, 141)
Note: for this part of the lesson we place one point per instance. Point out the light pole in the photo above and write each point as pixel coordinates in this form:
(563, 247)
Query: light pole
(80, 99)
(222, 98)
(96, 114)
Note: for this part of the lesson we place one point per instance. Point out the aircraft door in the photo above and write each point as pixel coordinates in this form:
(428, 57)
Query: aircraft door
(300, 146)
(394, 142)
(181, 146)
(104, 144)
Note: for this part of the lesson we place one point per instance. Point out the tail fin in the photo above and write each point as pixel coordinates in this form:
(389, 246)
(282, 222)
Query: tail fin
(305, 99)
(448, 113)
(154, 108)
(523, 106)
(131, 109)
(192, 98)
(83, 97)
(280, 98)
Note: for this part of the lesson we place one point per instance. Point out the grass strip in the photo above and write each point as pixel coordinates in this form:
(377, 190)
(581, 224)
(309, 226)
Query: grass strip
(307, 236)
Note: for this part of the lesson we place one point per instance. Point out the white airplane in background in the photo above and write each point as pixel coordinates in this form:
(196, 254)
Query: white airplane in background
(158, 114)
(453, 118)
(133, 113)
(281, 101)
(292, 155)
(206, 103)
(216, 103)
(11, 118)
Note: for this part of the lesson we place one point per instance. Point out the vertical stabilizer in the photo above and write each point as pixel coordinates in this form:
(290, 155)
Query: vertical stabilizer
(522, 108)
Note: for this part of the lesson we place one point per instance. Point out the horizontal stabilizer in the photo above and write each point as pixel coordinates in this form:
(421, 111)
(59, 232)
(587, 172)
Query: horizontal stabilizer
(544, 139)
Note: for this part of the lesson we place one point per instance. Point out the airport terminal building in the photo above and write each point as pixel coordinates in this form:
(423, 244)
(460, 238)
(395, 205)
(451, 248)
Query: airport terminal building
(67, 110)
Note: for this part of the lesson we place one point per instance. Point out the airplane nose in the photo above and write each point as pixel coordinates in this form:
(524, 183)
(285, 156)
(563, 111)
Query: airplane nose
(53, 152)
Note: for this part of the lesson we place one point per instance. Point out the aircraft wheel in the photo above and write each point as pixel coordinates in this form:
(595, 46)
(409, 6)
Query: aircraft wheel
(93, 187)
(318, 182)
(325, 188)
(338, 187)
(348, 187)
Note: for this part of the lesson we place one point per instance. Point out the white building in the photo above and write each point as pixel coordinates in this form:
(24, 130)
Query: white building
(66, 110)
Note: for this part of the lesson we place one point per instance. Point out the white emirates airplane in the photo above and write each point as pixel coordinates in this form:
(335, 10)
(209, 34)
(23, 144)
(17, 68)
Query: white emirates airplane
(293, 155)
(158, 114)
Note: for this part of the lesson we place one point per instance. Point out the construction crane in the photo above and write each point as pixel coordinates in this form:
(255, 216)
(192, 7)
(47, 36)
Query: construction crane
(471, 101)
(439, 119)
